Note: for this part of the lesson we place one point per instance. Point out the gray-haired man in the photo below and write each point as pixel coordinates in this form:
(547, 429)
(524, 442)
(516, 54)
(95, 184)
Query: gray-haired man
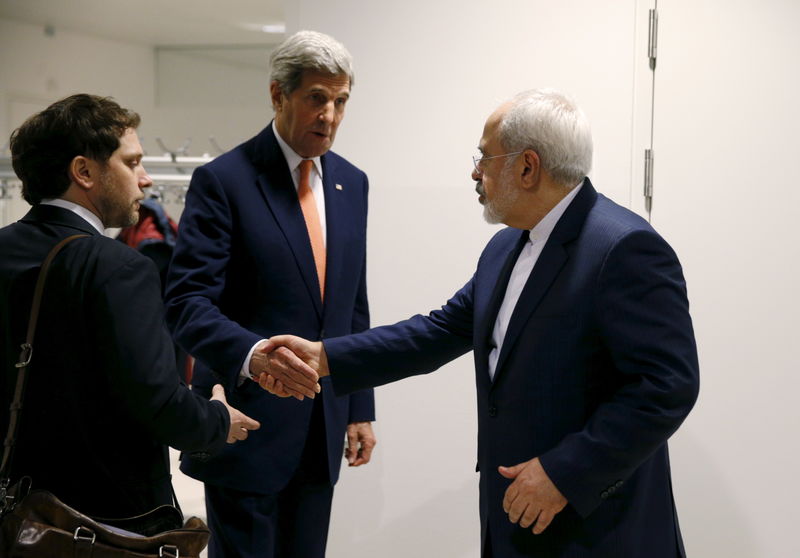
(273, 238)
(585, 357)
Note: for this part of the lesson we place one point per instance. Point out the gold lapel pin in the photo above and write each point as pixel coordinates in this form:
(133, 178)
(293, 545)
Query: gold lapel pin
(339, 187)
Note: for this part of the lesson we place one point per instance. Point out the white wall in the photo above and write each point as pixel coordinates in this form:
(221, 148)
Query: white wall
(36, 69)
(204, 92)
(179, 94)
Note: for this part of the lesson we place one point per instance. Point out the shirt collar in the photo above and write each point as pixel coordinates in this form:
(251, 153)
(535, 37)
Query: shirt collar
(292, 158)
(79, 210)
(543, 229)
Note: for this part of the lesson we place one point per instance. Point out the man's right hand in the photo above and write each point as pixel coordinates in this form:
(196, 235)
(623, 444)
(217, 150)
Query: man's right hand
(291, 348)
(297, 378)
(240, 423)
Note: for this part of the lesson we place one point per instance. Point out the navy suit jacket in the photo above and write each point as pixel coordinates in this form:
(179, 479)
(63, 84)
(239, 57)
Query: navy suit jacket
(597, 370)
(102, 399)
(243, 270)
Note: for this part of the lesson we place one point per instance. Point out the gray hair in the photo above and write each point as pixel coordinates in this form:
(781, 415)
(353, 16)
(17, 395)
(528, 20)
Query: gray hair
(308, 50)
(552, 125)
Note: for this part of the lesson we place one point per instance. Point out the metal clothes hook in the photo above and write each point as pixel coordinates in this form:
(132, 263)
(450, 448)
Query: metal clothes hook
(212, 140)
(182, 150)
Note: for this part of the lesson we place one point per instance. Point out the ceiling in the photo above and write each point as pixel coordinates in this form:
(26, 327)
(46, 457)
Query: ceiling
(204, 23)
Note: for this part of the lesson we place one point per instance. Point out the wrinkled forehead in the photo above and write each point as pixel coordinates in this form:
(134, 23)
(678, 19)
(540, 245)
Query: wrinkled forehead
(314, 79)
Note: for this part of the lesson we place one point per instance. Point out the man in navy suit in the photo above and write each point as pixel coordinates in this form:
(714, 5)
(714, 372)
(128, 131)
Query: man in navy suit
(273, 239)
(102, 399)
(585, 357)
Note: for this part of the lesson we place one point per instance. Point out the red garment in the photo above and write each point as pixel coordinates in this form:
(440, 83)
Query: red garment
(147, 230)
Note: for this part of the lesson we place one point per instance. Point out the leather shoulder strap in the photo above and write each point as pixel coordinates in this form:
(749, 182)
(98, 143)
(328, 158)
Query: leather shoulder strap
(25, 359)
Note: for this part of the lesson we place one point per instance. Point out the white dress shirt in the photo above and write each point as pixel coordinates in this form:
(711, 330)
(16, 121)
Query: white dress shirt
(78, 210)
(315, 182)
(522, 270)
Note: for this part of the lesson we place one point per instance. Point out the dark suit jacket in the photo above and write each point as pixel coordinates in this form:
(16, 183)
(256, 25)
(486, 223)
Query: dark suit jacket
(102, 398)
(243, 270)
(597, 370)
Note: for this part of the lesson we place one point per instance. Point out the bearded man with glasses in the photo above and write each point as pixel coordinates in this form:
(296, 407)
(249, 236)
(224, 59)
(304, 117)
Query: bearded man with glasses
(585, 357)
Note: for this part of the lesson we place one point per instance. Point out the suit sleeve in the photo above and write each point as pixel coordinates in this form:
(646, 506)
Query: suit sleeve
(362, 403)
(135, 349)
(196, 281)
(418, 345)
(645, 328)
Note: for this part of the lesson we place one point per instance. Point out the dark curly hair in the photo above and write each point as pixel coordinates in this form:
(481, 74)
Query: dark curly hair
(45, 145)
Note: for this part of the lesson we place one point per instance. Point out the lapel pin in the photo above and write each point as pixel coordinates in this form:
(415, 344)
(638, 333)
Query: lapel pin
(339, 187)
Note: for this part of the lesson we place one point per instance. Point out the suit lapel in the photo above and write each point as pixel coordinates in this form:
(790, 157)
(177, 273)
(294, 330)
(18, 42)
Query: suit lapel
(486, 324)
(277, 187)
(336, 209)
(551, 261)
(486, 313)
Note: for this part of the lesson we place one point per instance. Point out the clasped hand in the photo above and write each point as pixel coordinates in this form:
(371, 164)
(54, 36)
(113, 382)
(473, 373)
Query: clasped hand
(532, 499)
(289, 366)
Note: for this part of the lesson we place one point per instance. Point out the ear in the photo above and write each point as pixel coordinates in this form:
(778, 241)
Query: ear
(531, 168)
(276, 94)
(83, 172)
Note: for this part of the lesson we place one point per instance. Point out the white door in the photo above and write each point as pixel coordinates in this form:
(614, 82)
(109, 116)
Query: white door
(725, 147)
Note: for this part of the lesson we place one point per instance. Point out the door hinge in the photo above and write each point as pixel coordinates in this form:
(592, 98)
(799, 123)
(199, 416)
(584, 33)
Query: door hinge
(648, 179)
(652, 38)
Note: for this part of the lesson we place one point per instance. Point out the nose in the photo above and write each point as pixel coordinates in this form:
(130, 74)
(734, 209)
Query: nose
(327, 113)
(144, 180)
(476, 176)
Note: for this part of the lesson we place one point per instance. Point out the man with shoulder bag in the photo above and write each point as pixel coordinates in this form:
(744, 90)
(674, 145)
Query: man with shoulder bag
(93, 395)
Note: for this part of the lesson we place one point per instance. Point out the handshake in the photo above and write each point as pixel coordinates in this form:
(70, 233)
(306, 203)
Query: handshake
(289, 366)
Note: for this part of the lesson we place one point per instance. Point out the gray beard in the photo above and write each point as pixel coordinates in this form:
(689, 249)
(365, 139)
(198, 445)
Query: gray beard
(490, 215)
(496, 211)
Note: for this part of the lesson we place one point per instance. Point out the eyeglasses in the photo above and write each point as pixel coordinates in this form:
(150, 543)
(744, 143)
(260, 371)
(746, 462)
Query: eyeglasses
(477, 161)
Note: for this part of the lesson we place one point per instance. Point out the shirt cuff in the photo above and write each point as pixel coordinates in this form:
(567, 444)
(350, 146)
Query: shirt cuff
(244, 373)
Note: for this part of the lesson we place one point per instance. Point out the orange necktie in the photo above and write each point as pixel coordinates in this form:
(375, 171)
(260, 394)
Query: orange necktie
(311, 215)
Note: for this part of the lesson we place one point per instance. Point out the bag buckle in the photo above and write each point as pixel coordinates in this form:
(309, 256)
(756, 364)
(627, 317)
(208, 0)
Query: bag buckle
(169, 551)
(84, 534)
(6, 499)
(25, 356)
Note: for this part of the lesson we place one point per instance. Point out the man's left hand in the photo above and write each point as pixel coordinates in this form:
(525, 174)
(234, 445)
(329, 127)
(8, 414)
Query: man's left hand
(360, 441)
(532, 499)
